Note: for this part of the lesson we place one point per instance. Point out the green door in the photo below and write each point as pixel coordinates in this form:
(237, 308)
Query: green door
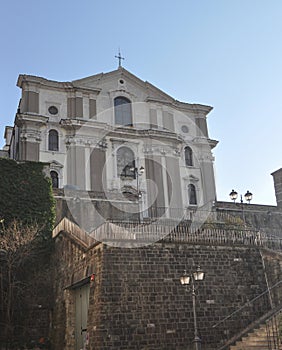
(81, 315)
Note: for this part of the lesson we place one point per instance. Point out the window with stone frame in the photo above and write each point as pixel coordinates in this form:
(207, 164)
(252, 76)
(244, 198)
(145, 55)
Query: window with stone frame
(53, 140)
(55, 179)
(192, 195)
(123, 111)
(125, 163)
(188, 153)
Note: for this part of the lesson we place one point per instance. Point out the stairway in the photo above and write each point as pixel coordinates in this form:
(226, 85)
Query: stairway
(263, 338)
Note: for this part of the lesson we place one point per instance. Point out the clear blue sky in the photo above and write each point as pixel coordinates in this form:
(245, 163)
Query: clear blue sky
(224, 53)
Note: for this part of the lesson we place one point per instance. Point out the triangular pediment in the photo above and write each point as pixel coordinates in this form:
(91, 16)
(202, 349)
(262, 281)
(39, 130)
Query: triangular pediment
(98, 80)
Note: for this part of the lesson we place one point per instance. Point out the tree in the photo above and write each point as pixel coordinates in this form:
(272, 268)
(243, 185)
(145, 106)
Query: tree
(19, 253)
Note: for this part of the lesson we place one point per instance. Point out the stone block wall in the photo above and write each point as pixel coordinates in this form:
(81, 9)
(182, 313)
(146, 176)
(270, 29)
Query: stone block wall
(137, 302)
(273, 271)
(264, 218)
(72, 262)
(143, 306)
(277, 178)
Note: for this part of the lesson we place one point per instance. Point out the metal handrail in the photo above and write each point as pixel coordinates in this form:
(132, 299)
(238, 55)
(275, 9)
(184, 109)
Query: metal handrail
(273, 336)
(269, 319)
(266, 291)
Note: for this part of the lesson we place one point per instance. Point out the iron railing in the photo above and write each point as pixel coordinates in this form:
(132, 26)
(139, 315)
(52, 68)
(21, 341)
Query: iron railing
(171, 231)
(252, 315)
(273, 329)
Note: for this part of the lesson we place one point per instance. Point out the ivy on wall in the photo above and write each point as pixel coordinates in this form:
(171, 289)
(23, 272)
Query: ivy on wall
(26, 195)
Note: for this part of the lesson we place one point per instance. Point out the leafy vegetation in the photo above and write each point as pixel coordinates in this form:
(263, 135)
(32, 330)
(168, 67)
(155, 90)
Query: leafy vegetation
(27, 214)
(26, 195)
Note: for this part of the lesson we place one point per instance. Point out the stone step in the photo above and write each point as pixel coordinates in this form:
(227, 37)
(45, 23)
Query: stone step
(255, 336)
(253, 342)
(256, 340)
(249, 347)
(253, 347)
(258, 337)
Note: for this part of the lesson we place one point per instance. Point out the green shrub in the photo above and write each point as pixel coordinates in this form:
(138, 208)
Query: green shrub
(26, 195)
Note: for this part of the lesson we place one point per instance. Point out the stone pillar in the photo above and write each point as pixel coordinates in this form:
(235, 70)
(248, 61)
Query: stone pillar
(76, 172)
(277, 178)
(174, 186)
(154, 172)
(97, 173)
(202, 129)
(29, 150)
(29, 144)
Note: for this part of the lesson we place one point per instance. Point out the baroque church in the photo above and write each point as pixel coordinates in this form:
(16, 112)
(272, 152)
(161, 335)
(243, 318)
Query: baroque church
(98, 132)
(137, 155)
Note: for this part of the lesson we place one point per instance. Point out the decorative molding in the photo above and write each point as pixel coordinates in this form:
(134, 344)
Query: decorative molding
(161, 150)
(55, 165)
(191, 178)
(27, 80)
(32, 135)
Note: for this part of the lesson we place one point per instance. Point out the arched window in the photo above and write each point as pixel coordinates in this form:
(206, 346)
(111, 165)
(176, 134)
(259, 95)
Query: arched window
(188, 156)
(53, 142)
(123, 112)
(125, 162)
(55, 179)
(192, 194)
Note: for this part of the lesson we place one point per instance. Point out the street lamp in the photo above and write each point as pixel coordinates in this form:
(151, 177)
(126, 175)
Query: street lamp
(234, 195)
(248, 197)
(185, 280)
(138, 172)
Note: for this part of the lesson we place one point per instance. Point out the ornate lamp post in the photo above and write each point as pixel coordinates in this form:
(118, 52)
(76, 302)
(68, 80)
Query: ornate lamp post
(138, 172)
(234, 195)
(185, 280)
(248, 197)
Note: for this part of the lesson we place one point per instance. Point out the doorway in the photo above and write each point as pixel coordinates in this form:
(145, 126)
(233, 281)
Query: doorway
(81, 315)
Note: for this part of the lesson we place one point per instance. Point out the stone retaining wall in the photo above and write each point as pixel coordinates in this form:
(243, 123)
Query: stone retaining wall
(137, 302)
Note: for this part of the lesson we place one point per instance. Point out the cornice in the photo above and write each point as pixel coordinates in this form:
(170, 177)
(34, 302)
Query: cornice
(123, 132)
(80, 123)
(52, 84)
(212, 143)
(148, 134)
(22, 118)
(80, 85)
(205, 141)
(184, 106)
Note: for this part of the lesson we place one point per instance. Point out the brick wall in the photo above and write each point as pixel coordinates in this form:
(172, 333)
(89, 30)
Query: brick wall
(137, 301)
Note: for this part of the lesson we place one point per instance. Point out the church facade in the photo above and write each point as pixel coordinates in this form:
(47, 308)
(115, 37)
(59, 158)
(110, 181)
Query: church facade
(122, 140)
(114, 133)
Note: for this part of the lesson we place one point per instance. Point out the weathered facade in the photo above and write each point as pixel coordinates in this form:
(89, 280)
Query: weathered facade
(95, 131)
(124, 237)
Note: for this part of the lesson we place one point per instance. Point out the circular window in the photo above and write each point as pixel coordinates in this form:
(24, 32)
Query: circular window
(184, 129)
(121, 81)
(53, 110)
